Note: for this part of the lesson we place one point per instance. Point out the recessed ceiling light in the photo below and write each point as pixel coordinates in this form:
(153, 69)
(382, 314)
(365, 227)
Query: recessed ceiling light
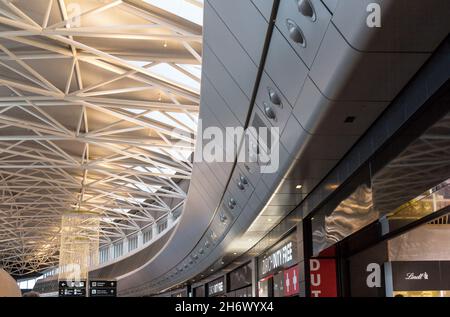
(299, 186)
(269, 220)
(234, 253)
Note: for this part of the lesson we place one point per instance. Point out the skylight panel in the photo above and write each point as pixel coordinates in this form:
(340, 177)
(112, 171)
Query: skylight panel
(139, 63)
(161, 170)
(169, 73)
(195, 70)
(180, 154)
(187, 9)
(185, 119)
(156, 115)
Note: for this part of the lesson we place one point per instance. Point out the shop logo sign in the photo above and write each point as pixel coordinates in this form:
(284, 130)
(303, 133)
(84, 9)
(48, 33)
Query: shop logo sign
(413, 276)
(277, 259)
(216, 288)
(374, 278)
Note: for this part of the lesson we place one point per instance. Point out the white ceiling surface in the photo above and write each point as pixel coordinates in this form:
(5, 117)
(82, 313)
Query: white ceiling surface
(98, 112)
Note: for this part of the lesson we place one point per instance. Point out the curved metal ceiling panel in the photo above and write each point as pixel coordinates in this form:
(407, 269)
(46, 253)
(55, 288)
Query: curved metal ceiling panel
(312, 134)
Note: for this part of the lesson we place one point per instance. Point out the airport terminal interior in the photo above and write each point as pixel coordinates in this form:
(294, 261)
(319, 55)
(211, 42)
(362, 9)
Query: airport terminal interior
(224, 148)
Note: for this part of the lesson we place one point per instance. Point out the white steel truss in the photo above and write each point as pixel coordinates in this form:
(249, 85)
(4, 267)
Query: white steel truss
(99, 102)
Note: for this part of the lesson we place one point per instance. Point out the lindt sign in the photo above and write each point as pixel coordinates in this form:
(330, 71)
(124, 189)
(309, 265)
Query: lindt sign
(420, 275)
(414, 276)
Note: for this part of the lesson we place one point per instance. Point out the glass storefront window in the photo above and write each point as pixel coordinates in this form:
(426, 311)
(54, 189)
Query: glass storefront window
(415, 263)
(278, 284)
(432, 200)
(244, 292)
(240, 277)
(264, 286)
(405, 181)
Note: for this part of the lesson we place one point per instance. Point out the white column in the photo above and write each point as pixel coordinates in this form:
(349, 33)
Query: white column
(140, 240)
(170, 220)
(111, 252)
(154, 230)
(125, 245)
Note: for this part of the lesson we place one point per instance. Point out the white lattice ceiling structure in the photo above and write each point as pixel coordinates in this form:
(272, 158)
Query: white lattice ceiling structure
(98, 112)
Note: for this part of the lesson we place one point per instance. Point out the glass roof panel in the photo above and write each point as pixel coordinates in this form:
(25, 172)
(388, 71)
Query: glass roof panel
(195, 70)
(168, 72)
(188, 9)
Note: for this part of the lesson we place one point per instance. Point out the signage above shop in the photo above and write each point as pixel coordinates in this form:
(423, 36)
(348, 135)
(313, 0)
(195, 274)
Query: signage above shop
(277, 259)
(414, 276)
(216, 287)
(418, 276)
(323, 278)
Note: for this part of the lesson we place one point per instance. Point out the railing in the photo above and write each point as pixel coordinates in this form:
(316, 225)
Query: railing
(133, 242)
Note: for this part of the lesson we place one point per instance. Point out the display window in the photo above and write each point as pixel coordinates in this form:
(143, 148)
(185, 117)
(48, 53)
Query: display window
(243, 292)
(265, 287)
(278, 284)
(415, 263)
(239, 281)
(388, 223)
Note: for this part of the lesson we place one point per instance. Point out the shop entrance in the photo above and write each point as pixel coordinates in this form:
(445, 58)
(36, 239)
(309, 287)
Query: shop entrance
(387, 226)
(415, 263)
(419, 261)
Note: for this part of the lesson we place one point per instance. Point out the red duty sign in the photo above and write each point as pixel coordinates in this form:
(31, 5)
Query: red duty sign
(323, 278)
(291, 285)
